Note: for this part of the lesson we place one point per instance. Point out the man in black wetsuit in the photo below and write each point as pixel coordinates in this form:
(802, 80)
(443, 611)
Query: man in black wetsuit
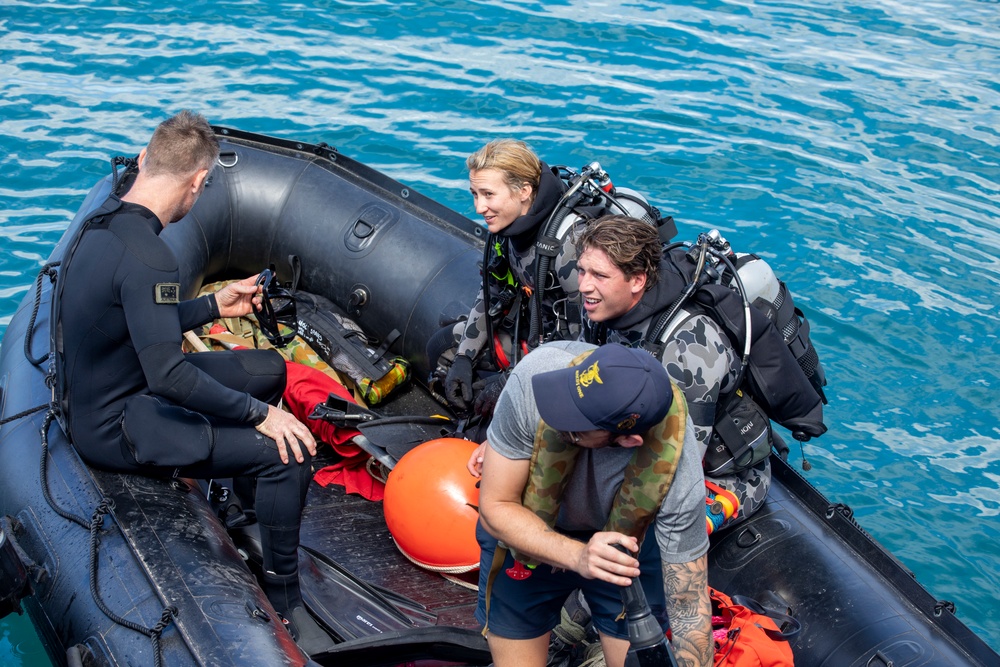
(137, 404)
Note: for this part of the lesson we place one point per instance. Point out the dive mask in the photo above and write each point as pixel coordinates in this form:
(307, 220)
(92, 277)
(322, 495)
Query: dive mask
(276, 316)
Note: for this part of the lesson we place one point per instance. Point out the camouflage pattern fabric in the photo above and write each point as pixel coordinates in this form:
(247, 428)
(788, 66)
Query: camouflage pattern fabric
(700, 360)
(650, 472)
(559, 296)
(648, 475)
(245, 331)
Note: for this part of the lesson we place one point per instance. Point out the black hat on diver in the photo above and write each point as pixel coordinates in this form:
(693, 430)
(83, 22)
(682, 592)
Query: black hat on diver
(615, 388)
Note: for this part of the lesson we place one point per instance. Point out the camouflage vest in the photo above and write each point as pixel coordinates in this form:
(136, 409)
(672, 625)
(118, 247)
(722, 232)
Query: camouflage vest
(648, 477)
(648, 474)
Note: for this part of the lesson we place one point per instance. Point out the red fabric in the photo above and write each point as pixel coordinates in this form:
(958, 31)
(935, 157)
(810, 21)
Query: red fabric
(740, 640)
(305, 389)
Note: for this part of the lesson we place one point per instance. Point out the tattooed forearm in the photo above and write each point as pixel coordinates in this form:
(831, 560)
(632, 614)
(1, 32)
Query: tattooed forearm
(690, 610)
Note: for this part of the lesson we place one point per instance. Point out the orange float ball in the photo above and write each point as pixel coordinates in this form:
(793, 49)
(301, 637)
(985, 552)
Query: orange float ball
(432, 504)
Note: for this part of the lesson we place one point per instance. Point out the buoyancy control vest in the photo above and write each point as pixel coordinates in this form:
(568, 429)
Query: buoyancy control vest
(585, 196)
(345, 346)
(780, 370)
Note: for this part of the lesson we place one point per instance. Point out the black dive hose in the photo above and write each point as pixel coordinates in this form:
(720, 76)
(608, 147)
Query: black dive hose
(567, 203)
(654, 334)
(491, 345)
(47, 270)
(745, 361)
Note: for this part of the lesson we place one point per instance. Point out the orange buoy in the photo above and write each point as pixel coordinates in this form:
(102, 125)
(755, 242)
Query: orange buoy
(431, 506)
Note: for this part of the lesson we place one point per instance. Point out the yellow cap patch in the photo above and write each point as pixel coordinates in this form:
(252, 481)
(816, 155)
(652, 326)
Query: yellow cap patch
(587, 377)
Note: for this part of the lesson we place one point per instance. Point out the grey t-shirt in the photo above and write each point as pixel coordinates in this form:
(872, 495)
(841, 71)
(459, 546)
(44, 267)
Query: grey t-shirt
(586, 503)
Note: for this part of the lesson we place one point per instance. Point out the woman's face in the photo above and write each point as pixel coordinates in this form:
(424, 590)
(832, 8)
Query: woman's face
(495, 201)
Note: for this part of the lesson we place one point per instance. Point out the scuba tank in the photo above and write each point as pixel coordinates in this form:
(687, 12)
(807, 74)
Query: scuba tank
(754, 280)
(590, 195)
(780, 376)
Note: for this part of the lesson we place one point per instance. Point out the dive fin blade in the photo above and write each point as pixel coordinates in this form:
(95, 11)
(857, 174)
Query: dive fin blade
(399, 437)
(349, 607)
(344, 605)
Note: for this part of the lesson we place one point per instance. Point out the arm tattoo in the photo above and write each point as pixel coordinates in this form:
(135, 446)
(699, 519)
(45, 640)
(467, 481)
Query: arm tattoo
(690, 611)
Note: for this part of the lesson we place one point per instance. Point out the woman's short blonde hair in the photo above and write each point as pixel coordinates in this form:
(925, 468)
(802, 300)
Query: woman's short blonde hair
(514, 159)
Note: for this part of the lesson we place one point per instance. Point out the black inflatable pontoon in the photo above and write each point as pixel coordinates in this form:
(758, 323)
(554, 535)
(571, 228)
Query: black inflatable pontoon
(172, 585)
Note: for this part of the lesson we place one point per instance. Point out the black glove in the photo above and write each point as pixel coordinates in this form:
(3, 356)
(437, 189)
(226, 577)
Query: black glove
(487, 393)
(458, 383)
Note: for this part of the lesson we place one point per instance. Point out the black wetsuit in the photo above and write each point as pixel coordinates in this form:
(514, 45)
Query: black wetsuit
(129, 382)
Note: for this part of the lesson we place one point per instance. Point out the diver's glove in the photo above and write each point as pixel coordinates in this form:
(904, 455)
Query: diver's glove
(487, 393)
(458, 383)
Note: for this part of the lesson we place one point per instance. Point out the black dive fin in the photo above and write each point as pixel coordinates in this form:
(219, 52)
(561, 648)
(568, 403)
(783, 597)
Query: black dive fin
(347, 607)
(385, 438)
(398, 435)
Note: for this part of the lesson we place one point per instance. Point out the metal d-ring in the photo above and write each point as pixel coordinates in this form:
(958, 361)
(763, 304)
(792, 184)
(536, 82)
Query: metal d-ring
(748, 538)
(229, 154)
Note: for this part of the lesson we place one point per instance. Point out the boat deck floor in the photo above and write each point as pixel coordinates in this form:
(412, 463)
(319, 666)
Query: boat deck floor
(352, 531)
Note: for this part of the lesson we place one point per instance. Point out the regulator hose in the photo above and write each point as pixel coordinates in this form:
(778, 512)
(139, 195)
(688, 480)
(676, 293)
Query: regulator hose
(546, 244)
(656, 332)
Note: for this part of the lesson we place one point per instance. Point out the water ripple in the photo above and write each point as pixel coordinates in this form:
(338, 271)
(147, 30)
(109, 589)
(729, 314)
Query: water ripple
(853, 145)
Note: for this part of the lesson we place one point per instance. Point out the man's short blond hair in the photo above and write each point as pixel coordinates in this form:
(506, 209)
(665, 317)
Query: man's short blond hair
(180, 146)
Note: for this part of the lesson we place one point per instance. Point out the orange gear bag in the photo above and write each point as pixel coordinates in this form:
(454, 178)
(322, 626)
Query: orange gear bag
(748, 635)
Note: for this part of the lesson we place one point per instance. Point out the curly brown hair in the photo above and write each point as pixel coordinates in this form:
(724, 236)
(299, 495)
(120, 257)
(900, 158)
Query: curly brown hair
(632, 245)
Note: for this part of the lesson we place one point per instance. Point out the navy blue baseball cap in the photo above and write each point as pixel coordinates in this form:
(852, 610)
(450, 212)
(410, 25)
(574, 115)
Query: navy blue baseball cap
(616, 388)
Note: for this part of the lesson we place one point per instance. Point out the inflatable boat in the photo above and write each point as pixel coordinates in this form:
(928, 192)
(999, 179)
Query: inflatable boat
(119, 569)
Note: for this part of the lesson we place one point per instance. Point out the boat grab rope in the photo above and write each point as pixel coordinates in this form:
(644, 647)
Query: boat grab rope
(47, 270)
(166, 616)
(23, 413)
(97, 520)
(43, 475)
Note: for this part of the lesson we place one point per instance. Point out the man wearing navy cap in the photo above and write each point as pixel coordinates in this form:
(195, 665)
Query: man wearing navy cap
(590, 446)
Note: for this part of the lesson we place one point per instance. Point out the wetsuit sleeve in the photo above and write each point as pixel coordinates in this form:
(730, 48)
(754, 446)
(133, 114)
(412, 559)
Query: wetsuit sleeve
(699, 359)
(196, 312)
(474, 335)
(155, 332)
(564, 302)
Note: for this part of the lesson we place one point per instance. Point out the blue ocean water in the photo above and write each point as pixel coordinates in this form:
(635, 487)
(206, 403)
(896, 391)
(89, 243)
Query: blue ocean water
(852, 144)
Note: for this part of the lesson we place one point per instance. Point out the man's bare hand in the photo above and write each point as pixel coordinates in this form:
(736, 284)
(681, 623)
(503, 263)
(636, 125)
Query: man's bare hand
(288, 432)
(475, 463)
(239, 298)
(599, 559)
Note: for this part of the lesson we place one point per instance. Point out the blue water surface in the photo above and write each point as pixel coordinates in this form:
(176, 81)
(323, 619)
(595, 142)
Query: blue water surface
(852, 144)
